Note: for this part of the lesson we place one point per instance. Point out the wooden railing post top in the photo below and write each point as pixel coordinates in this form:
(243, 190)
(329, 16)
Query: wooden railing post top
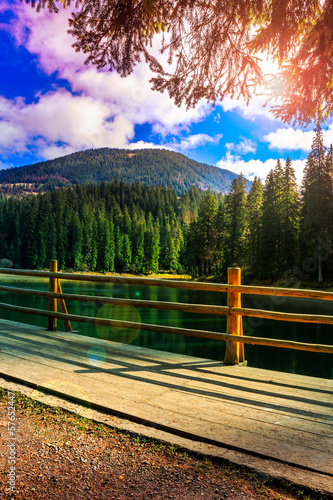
(234, 275)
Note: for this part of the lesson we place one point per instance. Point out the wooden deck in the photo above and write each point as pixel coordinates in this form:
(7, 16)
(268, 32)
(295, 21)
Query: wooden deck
(276, 422)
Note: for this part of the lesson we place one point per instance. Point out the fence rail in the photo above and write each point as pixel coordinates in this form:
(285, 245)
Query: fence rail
(234, 337)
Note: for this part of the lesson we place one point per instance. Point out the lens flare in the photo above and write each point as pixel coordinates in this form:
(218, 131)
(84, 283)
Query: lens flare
(96, 356)
(119, 333)
(188, 217)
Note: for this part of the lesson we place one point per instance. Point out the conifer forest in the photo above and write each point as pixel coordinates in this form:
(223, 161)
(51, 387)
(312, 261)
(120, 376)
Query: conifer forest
(276, 230)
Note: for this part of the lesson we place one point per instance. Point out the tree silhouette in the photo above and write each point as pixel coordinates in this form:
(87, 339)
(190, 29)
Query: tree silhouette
(213, 47)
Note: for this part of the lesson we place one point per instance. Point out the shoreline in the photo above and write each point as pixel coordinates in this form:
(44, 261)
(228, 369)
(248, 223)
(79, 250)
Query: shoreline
(327, 286)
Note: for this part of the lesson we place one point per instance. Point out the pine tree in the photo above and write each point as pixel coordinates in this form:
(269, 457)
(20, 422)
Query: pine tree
(127, 253)
(290, 217)
(236, 222)
(278, 198)
(219, 256)
(119, 247)
(171, 260)
(178, 242)
(152, 245)
(154, 263)
(105, 254)
(268, 260)
(254, 210)
(139, 249)
(316, 205)
(206, 232)
(75, 239)
(29, 236)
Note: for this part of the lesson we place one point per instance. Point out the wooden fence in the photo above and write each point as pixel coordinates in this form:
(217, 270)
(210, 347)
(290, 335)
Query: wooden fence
(233, 310)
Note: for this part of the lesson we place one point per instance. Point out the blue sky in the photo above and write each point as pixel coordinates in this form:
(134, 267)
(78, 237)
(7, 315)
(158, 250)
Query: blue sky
(51, 104)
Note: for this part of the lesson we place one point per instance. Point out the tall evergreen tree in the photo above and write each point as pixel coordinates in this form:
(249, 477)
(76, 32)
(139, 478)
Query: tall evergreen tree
(236, 222)
(254, 210)
(268, 260)
(316, 205)
(290, 217)
(206, 231)
(278, 198)
(127, 253)
(139, 248)
(75, 239)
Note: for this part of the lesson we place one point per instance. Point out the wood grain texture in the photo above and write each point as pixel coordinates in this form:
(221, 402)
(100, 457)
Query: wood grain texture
(269, 415)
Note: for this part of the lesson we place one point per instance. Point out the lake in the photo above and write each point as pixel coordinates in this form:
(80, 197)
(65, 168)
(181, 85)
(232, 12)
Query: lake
(272, 358)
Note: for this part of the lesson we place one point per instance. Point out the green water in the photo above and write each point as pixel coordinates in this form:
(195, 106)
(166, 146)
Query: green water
(288, 360)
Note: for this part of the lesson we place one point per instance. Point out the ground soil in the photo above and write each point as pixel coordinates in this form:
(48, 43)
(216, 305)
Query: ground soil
(60, 455)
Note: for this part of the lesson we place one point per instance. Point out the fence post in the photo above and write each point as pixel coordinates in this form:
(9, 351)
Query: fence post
(234, 350)
(52, 322)
(63, 308)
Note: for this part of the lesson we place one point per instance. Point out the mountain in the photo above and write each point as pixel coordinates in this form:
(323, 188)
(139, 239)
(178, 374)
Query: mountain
(151, 166)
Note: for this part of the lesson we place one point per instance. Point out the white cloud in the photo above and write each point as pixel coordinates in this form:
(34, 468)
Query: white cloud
(258, 106)
(245, 146)
(105, 107)
(289, 139)
(45, 34)
(258, 168)
(194, 141)
(50, 152)
(78, 122)
(12, 136)
(147, 145)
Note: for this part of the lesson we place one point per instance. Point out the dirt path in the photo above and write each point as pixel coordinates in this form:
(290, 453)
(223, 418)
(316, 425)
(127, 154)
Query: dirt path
(60, 455)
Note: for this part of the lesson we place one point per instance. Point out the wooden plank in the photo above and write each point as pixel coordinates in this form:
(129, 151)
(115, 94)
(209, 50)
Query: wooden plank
(296, 431)
(281, 316)
(273, 378)
(193, 285)
(283, 292)
(257, 391)
(218, 376)
(172, 330)
(154, 304)
(255, 290)
(125, 396)
(63, 307)
(156, 393)
(52, 320)
(176, 392)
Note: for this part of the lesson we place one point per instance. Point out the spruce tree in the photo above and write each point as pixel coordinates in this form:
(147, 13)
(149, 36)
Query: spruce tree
(290, 217)
(236, 222)
(206, 231)
(268, 260)
(278, 196)
(127, 253)
(254, 210)
(139, 249)
(316, 210)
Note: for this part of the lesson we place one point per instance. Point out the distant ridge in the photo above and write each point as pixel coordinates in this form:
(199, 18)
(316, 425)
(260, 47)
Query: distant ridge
(151, 166)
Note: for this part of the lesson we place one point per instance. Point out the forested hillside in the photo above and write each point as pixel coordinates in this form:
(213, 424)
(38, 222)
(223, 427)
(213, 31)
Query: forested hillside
(276, 231)
(103, 227)
(151, 166)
